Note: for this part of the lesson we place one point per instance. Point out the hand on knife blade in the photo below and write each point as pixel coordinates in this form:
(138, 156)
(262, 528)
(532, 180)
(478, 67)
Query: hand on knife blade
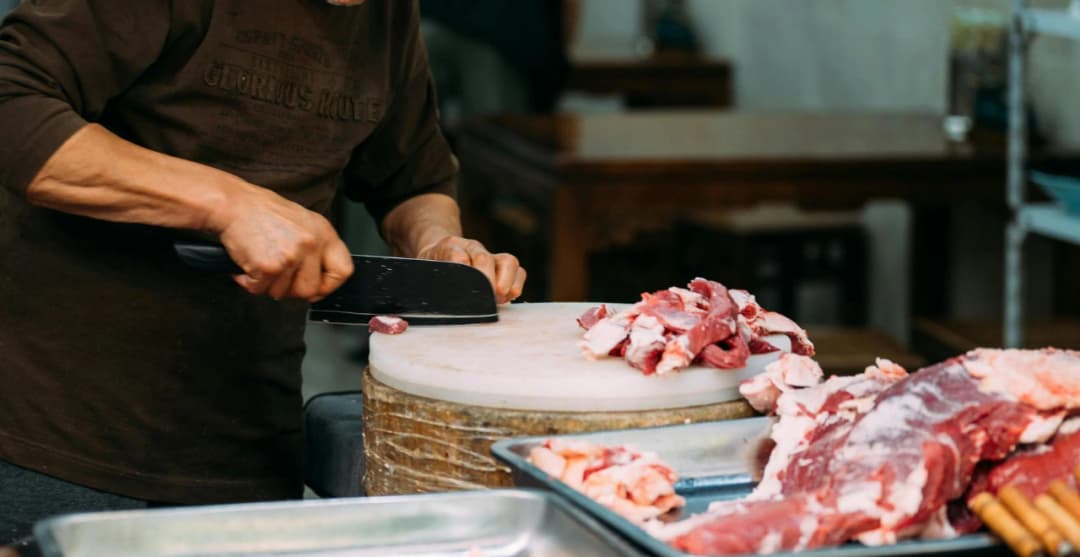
(421, 291)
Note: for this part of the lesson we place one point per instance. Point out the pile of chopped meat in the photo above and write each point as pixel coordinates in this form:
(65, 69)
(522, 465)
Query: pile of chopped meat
(671, 329)
(884, 455)
(636, 485)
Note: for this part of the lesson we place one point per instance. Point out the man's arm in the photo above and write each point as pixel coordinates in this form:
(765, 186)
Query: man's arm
(60, 63)
(284, 249)
(405, 173)
(428, 226)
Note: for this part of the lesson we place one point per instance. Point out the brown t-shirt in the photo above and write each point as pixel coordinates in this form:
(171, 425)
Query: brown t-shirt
(120, 368)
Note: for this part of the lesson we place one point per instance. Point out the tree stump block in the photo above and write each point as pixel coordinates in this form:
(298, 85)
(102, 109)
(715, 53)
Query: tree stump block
(415, 444)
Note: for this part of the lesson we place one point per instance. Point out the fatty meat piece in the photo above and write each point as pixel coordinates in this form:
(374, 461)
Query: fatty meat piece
(637, 486)
(387, 325)
(789, 371)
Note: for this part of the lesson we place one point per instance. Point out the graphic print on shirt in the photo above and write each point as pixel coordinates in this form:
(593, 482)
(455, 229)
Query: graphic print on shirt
(296, 103)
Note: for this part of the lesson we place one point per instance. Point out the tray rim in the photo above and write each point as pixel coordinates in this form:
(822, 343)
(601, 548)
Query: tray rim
(1063, 189)
(503, 450)
(44, 530)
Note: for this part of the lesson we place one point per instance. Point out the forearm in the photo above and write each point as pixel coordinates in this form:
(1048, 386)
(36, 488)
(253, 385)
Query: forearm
(420, 223)
(97, 174)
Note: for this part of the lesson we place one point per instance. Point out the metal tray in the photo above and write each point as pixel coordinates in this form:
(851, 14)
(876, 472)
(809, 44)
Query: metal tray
(712, 459)
(499, 523)
(1064, 189)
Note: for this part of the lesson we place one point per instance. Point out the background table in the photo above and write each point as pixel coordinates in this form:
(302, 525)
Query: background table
(663, 80)
(590, 174)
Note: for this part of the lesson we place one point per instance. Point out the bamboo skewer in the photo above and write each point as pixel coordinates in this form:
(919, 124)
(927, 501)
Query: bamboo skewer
(1065, 523)
(1036, 522)
(1066, 497)
(998, 519)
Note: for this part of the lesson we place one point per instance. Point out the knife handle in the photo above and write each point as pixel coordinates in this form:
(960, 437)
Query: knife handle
(207, 257)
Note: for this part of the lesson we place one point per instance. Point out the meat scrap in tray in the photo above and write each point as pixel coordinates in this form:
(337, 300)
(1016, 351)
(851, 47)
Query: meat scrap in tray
(637, 486)
(887, 455)
(704, 323)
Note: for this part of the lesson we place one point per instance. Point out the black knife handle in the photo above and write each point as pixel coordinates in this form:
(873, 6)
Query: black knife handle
(207, 257)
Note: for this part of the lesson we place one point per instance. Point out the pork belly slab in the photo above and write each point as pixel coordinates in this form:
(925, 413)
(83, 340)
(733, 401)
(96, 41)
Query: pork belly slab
(878, 456)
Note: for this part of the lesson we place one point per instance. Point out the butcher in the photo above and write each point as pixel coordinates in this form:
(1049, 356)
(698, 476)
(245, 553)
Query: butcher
(129, 380)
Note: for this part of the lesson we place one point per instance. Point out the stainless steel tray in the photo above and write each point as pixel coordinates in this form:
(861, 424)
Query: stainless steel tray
(498, 523)
(712, 460)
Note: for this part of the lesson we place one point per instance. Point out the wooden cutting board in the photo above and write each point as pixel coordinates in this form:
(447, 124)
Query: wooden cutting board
(530, 360)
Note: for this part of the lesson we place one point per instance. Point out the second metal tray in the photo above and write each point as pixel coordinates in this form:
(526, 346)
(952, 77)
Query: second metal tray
(499, 523)
(713, 463)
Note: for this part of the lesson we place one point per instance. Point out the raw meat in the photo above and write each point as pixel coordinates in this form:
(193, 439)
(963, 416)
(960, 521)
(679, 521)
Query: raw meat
(788, 372)
(387, 325)
(671, 329)
(764, 323)
(878, 456)
(590, 317)
(1031, 470)
(635, 485)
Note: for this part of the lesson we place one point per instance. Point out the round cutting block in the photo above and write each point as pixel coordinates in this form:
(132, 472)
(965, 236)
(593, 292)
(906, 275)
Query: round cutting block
(531, 360)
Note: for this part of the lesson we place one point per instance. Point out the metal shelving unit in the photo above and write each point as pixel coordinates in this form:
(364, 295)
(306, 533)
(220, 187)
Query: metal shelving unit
(1044, 219)
(1052, 22)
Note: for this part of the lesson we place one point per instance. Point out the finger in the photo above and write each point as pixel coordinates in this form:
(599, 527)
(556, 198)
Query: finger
(485, 263)
(308, 278)
(252, 284)
(282, 284)
(506, 267)
(519, 284)
(337, 266)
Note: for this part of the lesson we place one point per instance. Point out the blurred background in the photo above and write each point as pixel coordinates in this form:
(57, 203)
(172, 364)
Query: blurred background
(844, 160)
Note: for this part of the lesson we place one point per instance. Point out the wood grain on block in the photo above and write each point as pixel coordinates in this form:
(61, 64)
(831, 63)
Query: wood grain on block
(416, 444)
(530, 360)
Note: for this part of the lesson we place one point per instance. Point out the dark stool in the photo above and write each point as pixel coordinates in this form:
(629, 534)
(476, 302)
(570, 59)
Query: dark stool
(334, 444)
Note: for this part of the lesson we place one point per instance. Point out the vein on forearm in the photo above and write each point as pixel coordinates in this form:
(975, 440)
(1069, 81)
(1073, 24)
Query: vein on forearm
(99, 175)
(420, 222)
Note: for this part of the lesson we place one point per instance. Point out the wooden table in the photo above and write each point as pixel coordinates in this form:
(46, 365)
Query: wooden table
(847, 351)
(598, 175)
(663, 80)
(939, 340)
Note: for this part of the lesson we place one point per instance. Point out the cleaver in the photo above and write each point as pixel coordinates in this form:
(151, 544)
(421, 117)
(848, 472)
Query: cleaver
(421, 291)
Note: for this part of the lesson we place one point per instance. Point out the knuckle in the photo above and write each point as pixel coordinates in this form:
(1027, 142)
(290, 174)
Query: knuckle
(306, 241)
(266, 268)
(290, 253)
(333, 280)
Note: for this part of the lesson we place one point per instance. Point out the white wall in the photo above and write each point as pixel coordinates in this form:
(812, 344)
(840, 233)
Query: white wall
(843, 54)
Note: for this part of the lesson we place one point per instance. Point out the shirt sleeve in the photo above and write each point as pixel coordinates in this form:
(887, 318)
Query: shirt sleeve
(60, 63)
(407, 154)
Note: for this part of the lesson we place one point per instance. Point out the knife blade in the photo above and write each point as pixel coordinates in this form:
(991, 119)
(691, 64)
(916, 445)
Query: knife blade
(423, 292)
